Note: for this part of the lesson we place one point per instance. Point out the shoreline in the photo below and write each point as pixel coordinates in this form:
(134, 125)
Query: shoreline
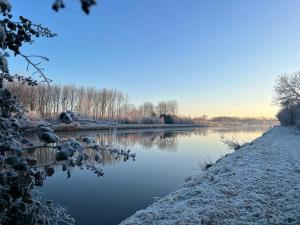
(257, 184)
(124, 127)
(31, 125)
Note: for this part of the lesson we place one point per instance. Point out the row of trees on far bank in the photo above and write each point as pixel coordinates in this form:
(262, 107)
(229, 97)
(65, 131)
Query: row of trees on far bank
(48, 100)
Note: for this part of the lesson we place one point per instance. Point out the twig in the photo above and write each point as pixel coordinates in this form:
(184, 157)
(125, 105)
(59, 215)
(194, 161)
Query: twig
(35, 66)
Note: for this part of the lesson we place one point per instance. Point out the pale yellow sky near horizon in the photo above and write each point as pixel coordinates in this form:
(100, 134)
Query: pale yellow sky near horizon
(262, 107)
(267, 111)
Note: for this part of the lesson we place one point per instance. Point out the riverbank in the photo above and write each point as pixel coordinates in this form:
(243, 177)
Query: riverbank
(91, 126)
(29, 125)
(63, 127)
(257, 184)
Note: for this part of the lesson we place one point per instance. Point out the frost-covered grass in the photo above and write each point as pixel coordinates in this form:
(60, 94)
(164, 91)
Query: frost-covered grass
(259, 184)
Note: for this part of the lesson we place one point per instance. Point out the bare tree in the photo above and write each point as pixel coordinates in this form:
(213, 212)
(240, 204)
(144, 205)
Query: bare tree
(103, 103)
(169, 107)
(287, 89)
(49, 100)
(287, 95)
(147, 109)
(161, 108)
(172, 107)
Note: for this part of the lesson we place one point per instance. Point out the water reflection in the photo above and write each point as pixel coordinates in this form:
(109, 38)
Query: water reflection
(162, 139)
(46, 156)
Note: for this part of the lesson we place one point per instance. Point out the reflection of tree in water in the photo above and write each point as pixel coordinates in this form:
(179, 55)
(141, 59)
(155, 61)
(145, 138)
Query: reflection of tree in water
(167, 143)
(43, 155)
(163, 139)
(237, 129)
(47, 155)
(200, 132)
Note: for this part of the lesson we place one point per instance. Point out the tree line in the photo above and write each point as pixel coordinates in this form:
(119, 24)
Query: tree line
(48, 100)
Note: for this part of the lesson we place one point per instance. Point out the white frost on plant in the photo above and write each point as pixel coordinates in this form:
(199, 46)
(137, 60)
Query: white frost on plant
(5, 5)
(3, 63)
(3, 60)
(2, 35)
(258, 184)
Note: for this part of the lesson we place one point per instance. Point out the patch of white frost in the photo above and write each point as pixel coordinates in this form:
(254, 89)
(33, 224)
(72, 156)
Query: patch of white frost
(258, 184)
(5, 5)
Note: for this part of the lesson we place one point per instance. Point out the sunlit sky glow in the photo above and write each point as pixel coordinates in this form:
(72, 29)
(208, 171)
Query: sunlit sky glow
(213, 57)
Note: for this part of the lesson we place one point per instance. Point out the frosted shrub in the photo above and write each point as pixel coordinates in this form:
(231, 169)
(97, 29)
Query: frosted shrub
(297, 116)
(150, 120)
(286, 116)
(290, 116)
(232, 144)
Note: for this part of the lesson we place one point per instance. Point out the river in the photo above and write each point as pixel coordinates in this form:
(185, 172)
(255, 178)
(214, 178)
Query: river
(164, 160)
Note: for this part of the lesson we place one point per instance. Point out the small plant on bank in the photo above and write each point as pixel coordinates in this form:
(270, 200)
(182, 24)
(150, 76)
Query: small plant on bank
(232, 143)
(204, 164)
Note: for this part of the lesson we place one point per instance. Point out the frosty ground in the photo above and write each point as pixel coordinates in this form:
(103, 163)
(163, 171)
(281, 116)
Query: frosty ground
(257, 184)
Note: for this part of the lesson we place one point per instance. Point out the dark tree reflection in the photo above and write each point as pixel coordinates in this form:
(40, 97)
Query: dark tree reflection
(163, 139)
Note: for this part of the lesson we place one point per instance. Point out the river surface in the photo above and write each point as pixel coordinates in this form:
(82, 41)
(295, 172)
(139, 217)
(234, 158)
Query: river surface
(164, 160)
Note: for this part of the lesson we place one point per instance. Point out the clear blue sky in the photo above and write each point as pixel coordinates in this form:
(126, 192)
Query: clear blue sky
(214, 57)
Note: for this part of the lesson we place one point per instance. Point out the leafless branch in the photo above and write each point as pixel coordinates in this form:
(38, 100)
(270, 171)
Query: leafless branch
(36, 66)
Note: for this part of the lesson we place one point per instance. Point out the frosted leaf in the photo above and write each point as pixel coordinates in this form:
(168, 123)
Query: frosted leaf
(3, 64)
(5, 5)
(2, 35)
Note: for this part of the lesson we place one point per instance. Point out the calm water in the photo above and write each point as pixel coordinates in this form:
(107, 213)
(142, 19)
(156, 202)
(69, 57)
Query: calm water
(164, 159)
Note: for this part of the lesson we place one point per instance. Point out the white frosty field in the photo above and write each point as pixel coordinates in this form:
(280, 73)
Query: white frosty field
(258, 184)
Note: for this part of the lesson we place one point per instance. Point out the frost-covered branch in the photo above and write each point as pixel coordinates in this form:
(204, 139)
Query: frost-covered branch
(85, 5)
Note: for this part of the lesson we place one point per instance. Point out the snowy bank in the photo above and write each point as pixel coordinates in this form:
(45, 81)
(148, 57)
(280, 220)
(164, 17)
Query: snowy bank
(258, 184)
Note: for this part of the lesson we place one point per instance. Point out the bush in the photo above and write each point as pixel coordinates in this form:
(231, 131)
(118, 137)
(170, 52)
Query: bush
(285, 117)
(297, 116)
(168, 119)
(289, 116)
(150, 120)
(183, 120)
